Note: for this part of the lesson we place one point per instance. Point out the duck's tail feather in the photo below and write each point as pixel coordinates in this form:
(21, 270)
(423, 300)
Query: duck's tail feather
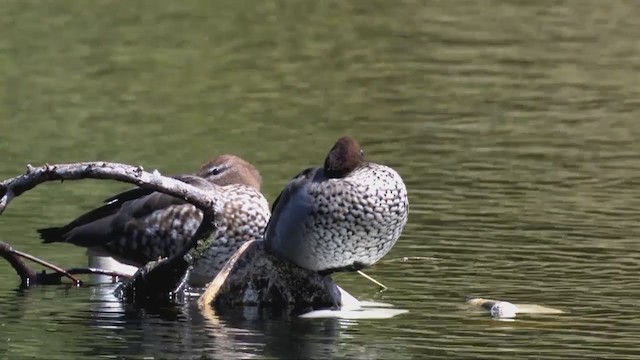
(52, 234)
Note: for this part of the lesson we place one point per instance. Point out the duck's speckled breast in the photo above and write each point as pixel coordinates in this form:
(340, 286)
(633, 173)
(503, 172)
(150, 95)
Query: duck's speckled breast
(355, 220)
(242, 216)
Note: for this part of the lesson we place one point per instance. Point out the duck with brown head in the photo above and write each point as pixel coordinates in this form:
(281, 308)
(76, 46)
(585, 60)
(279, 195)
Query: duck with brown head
(343, 216)
(138, 225)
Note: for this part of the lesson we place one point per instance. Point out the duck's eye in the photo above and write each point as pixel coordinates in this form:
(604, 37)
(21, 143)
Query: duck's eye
(215, 171)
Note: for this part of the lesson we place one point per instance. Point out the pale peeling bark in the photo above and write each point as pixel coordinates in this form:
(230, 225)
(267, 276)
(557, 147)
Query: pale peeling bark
(11, 188)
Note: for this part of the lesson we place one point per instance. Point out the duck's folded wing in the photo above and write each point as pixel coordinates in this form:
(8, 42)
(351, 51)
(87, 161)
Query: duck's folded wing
(283, 207)
(153, 226)
(100, 225)
(293, 185)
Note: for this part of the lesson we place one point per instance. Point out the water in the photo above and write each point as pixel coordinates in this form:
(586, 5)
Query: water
(513, 123)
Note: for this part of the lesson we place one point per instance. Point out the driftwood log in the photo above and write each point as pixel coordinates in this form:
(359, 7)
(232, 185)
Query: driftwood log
(252, 277)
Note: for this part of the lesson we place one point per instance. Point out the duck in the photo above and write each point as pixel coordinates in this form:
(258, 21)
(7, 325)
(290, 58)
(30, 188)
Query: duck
(137, 226)
(343, 216)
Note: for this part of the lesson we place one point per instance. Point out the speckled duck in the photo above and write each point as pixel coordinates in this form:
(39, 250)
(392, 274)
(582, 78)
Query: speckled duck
(138, 225)
(343, 216)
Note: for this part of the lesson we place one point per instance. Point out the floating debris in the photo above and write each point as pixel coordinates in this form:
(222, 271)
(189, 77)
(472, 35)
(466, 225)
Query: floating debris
(499, 309)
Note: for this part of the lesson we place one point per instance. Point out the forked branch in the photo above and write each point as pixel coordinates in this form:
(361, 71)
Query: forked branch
(11, 188)
(153, 280)
(28, 276)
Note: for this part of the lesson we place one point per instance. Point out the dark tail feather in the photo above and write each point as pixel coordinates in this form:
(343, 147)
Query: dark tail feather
(52, 234)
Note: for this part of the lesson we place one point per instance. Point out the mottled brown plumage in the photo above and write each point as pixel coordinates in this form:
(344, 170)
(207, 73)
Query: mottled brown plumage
(138, 225)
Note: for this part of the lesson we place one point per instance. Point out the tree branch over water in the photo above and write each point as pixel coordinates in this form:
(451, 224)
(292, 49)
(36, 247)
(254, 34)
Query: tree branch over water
(161, 277)
(29, 277)
(11, 188)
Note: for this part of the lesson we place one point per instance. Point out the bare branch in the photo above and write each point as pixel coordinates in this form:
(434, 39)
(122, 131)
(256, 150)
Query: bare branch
(7, 249)
(158, 278)
(95, 271)
(11, 188)
(163, 280)
(27, 275)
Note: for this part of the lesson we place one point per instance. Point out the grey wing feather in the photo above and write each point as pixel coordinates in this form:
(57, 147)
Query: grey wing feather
(295, 182)
(283, 198)
(96, 227)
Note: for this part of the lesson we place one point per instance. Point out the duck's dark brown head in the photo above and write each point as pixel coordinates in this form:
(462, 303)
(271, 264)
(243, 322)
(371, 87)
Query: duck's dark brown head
(230, 169)
(344, 157)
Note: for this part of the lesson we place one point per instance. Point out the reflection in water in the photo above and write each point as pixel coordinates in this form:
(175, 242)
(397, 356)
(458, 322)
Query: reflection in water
(514, 125)
(244, 333)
